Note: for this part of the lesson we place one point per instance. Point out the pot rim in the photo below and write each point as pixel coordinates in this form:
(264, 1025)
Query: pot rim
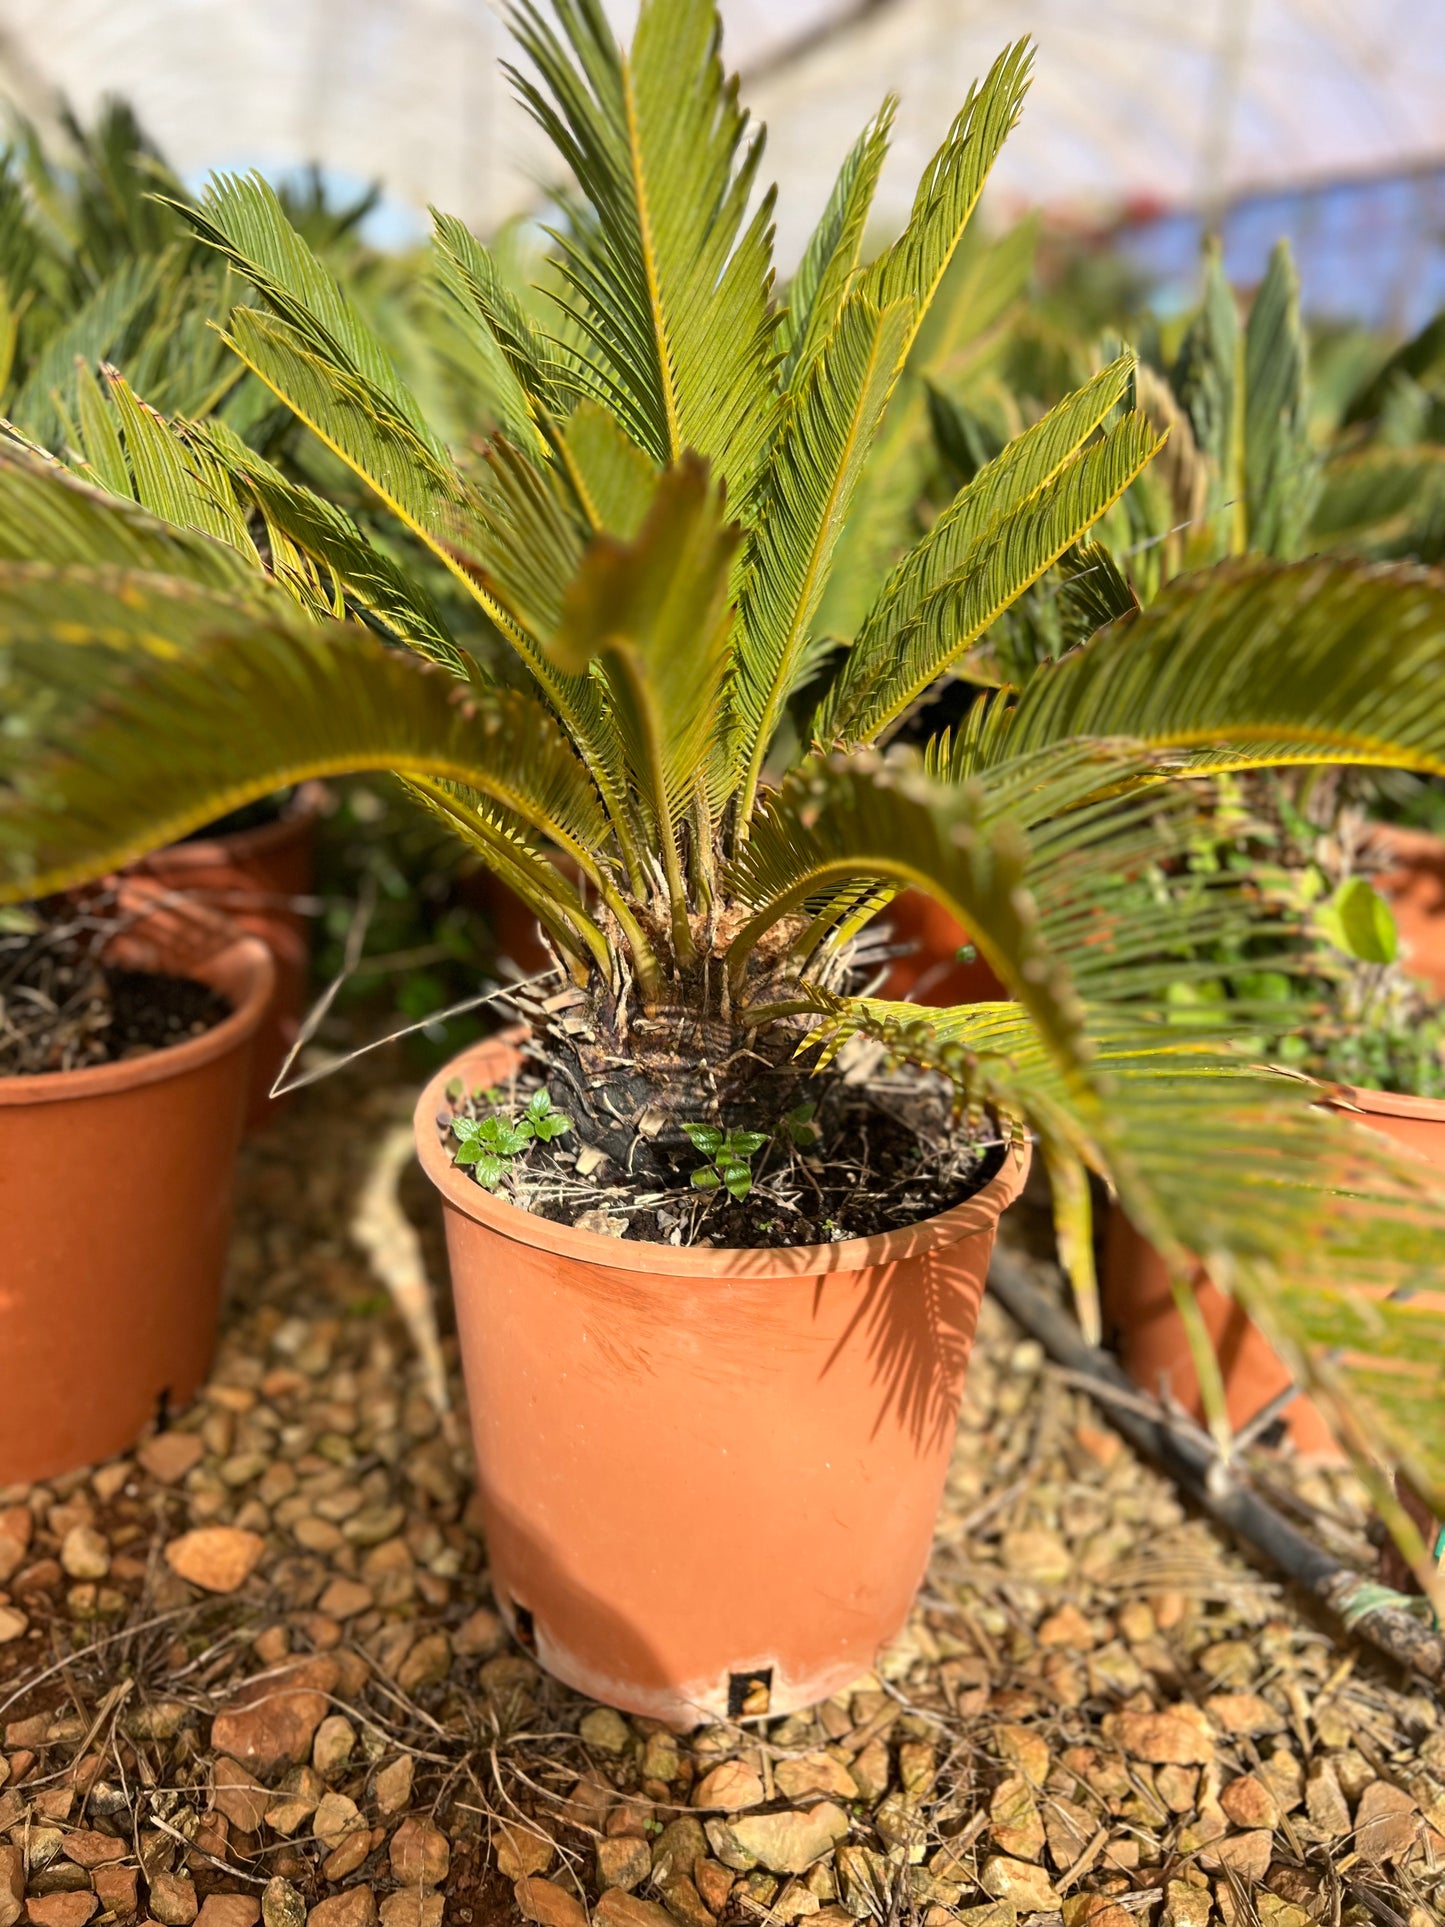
(246, 958)
(1407, 842)
(1373, 1103)
(981, 1212)
(239, 846)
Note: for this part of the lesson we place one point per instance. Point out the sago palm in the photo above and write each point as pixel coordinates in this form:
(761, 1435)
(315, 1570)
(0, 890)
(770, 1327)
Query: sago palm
(645, 543)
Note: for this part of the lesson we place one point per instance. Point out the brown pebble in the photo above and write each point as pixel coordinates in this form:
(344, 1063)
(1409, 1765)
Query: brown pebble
(61, 1910)
(271, 1722)
(548, 1904)
(216, 1558)
(420, 1854)
(412, 1909)
(169, 1456)
(1387, 1822)
(623, 1861)
(90, 1850)
(238, 1794)
(730, 1788)
(392, 1789)
(520, 1850)
(173, 1899)
(1250, 1803)
(1174, 1738)
(352, 1907)
(619, 1909)
(229, 1910)
(116, 1888)
(1243, 1713)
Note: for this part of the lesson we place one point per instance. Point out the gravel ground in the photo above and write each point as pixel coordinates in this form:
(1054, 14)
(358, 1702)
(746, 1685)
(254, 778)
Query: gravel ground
(254, 1670)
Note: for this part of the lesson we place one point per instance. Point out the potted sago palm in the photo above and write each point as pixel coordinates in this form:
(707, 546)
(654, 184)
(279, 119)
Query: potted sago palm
(718, 1223)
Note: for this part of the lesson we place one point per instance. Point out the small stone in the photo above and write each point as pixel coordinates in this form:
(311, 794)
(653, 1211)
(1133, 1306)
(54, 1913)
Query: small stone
(116, 1888)
(173, 1899)
(1243, 1713)
(427, 1664)
(60, 1910)
(1069, 1827)
(1250, 1803)
(1177, 1787)
(344, 1860)
(782, 1842)
(420, 1854)
(412, 1909)
(1175, 1738)
(661, 1760)
(871, 1770)
(229, 1910)
(624, 1861)
(1386, 1822)
(1028, 1750)
(375, 1524)
(282, 1905)
(520, 1851)
(300, 1793)
(1020, 1881)
(548, 1904)
(216, 1558)
(90, 1850)
(271, 1722)
(619, 1909)
(331, 1749)
(336, 1816)
(1185, 1906)
(1094, 1910)
(169, 1456)
(1325, 1803)
(1275, 1912)
(1068, 1630)
(12, 1624)
(714, 1884)
(812, 1773)
(238, 1794)
(1014, 1819)
(1246, 1854)
(85, 1553)
(1039, 1557)
(606, 1730)
(734, 1786)
(344, 1599)
(12, 1885)
(392, 1788)
(480, 1635)
(352, 1907)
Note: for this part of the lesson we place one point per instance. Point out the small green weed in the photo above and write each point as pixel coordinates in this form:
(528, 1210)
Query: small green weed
(489, 1146)
(728, 1154)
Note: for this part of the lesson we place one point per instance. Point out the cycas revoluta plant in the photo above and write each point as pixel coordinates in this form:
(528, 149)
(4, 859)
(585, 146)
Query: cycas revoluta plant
(649, 534)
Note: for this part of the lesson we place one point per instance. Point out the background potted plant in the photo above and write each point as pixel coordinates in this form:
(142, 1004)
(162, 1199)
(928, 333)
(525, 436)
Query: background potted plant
(650, 534)
(125, 1036)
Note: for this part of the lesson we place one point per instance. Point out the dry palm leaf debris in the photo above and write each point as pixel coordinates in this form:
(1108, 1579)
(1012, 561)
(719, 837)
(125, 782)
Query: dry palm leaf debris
(253, 1672)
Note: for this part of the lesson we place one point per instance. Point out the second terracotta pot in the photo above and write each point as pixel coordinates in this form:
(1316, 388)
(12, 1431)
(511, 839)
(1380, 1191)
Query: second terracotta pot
(709, 1478)
(1414, 885)
(115, 1207)
(1148, 1331)
(257, 877)
(932, 972)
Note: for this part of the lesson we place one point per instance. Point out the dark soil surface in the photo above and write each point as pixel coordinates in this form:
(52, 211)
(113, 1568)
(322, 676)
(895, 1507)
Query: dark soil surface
(879, 1154)
(61, 1009)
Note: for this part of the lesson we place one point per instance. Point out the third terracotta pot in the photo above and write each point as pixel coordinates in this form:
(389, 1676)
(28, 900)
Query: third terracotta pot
(709, 1478)
(1413, 883)
(1139, 1306)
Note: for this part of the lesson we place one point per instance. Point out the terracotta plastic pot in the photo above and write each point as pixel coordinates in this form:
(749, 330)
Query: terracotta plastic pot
(1414, 884)
(115, 1208)
(254, 877)
(1139, 1305)
(709, 1478)
(932, 973)
(515, 930)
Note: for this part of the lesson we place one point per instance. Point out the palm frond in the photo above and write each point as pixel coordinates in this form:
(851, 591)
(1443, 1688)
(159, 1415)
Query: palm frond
(668, 290)
(654, 612)
(913, 268)
(1373, 499)
(890, 668)
(613, 478)
(822, 450)
(1260, 663)
(830, 260)
(1280, 466)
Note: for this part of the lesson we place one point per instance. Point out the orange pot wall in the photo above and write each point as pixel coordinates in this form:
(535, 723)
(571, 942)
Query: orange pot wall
(252, 877)
(1414, 883)
(932, 974)
(1139, 1305)
(701, 1466)
(115, 1207)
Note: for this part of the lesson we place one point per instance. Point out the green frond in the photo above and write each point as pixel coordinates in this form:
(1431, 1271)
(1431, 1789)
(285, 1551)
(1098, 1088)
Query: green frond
(913, 268)
(329, 537)
(1418, 359)
(1208, 378)
(1280, 465)
(654, 613)
(805, 497)
(49, 515)
(1017, 475)
(667, 287)
(889, 669)
(171, 740)
(538, 389)
(1375, 498)
(614, 480)
(830, 260)
(1255, 664)
(171, 481)
(100, 329)
(242, 218)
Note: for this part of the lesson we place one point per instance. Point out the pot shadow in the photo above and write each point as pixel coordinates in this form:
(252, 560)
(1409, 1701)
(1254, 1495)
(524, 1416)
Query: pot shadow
(920, 1334)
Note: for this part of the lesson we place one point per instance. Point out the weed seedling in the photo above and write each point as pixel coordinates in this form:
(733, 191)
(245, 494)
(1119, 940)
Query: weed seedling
(489, 1146)
(728, 1154)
